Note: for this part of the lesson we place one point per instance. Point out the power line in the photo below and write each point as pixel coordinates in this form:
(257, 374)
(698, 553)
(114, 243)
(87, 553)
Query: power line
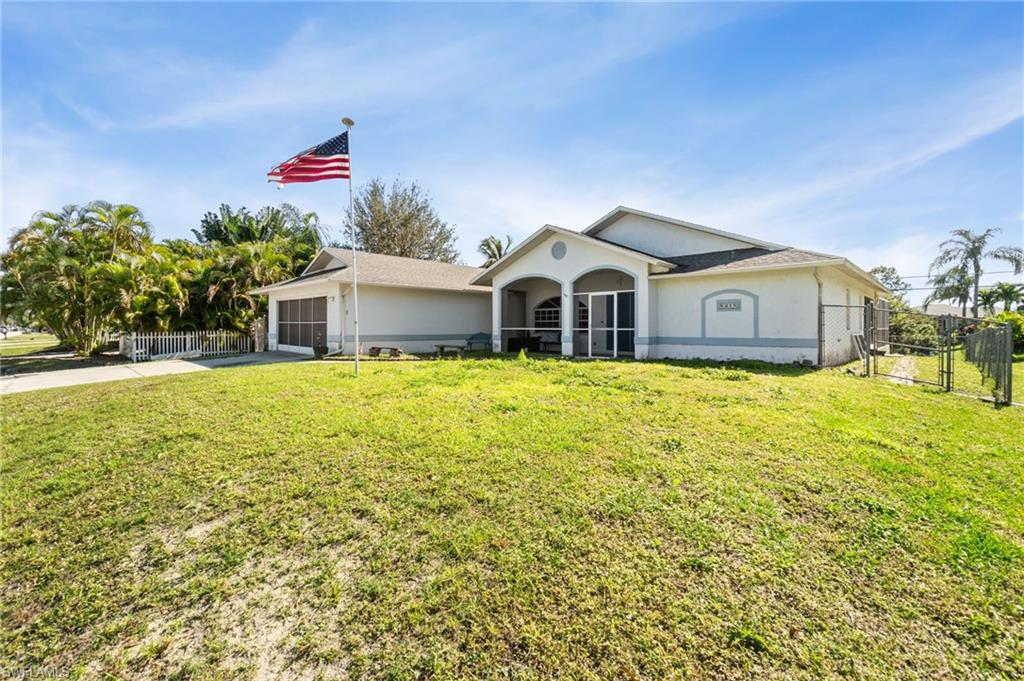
(928, 276)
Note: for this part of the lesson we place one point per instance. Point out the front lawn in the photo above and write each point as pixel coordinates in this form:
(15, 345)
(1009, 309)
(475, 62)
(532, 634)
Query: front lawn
(27, 344)
(512, 518)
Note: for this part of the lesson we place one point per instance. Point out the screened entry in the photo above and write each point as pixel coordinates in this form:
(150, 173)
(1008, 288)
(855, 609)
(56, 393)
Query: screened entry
(302, 322)
(604, 325)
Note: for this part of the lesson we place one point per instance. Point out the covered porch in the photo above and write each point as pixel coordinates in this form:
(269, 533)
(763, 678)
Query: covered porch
(593, 315)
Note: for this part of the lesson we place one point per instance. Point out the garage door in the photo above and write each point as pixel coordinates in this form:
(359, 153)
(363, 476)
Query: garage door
(302, 322)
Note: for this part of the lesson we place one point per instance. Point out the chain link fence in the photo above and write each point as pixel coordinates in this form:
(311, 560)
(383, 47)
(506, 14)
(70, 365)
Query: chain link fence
(990, 349)
(955, 354)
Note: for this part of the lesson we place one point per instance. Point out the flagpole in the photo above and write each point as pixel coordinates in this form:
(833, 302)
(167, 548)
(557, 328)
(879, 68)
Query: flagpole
(348, 122)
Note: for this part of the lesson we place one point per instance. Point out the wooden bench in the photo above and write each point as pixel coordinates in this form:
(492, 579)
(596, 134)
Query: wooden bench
(449, 347)
(391, 351)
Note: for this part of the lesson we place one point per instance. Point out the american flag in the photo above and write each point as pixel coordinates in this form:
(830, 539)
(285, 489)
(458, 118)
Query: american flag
(327, 161)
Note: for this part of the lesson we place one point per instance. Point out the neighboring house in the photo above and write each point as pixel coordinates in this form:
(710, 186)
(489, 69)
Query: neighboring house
(403, 302)
(642, 285)
(941, 309)
(632, 284)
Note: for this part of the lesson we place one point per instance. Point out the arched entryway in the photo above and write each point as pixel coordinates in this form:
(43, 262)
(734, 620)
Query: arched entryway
(531, 315)
(604, 313)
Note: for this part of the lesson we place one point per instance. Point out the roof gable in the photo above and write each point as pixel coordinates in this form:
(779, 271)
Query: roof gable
(524, 246)
(323, 260)
(663, 236)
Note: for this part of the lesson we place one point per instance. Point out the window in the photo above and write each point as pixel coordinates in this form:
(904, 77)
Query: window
(548, 314)
(302, 323)
(582, 314)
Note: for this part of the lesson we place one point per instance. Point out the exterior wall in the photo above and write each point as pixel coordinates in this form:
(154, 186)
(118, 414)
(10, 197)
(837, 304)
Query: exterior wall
(580, 258)
(777, 319)
(413, 319)
(328, 289)
(664, 239)
(840, 325)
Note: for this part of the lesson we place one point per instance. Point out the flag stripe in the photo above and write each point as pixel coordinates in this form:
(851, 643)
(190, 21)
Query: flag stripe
(327, 161)
(330, 173)
(313, 164)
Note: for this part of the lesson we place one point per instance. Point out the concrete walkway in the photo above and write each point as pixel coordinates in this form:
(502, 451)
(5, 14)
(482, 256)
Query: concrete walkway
(20, 383)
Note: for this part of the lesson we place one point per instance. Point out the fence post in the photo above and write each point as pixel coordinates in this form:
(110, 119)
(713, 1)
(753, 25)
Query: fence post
(1008, 336)
(869, 340)
(949, 361)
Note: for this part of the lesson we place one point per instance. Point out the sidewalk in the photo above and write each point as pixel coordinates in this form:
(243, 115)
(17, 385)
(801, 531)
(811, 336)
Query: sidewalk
(119, 372)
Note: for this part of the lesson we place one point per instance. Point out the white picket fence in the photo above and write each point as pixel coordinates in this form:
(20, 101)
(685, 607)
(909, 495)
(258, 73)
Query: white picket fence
(139, 347)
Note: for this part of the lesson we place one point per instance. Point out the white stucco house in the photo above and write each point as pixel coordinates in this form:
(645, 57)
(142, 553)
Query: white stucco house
(632, 284)
(643, 285)
(403, 302)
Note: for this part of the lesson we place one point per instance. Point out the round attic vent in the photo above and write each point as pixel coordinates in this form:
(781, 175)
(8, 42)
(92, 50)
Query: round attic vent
(558, 250)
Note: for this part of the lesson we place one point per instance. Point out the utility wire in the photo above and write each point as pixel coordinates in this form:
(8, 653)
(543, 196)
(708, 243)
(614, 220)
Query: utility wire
(927, 276)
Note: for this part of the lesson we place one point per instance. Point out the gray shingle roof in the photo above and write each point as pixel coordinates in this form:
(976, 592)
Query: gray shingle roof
(393, 270)
(742, 259)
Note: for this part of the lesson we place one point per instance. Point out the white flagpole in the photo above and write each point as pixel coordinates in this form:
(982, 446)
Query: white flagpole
(348, 122)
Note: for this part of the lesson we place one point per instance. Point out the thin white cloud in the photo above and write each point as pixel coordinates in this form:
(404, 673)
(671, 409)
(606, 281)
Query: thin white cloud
(535, 63)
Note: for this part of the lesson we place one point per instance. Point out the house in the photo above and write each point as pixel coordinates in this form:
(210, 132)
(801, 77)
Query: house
(632, 284)
(403, 302)
(941, 309)
(641, 285)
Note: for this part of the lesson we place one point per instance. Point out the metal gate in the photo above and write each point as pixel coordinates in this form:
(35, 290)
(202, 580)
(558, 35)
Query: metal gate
(952, 353)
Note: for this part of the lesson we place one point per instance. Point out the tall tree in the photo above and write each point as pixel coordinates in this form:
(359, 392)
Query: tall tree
(953, 285)
(1009, 294)
(966, 249)
(230, 227)
(125, 224)
(494, 249)
(891, 279)
(54, 271)
(987, 299)
(401, 221)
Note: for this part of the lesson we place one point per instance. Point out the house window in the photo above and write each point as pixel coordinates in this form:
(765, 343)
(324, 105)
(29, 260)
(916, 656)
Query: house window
(548, 314)
(582, 314)
(302, 322)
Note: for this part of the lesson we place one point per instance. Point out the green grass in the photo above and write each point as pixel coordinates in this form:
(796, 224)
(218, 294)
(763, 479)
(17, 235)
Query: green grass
(32, 353)
(967, 377)
(504, 518)
(27, 344)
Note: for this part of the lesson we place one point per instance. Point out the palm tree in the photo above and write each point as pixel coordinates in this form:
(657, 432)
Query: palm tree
(1008, 294)
(966, 249)
(124, 224)
(954, 285)
(494, 249)
(987, 299)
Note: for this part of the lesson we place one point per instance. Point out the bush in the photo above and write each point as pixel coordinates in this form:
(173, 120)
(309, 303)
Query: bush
(1016, 320)
(913, 329)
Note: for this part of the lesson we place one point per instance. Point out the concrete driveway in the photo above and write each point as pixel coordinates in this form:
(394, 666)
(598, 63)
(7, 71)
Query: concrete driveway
(20, 383)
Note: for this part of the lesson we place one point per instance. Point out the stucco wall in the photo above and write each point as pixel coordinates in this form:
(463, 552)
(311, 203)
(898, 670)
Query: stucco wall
(840, 325)
(776, 320)
(663, 239)
(414, 319)
(315, 290)
(581, 257)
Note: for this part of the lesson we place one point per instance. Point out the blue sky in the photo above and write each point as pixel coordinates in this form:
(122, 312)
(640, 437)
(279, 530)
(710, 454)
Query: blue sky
(866, 130)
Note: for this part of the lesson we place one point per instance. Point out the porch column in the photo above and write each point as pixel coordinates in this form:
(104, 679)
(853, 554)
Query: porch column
(497, 300)
(567, 316)
(643, 316)
(335, 318)
(272, 324)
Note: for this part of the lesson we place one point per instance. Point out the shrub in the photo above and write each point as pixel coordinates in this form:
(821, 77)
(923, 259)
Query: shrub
(913, 329)
(1016, 320)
